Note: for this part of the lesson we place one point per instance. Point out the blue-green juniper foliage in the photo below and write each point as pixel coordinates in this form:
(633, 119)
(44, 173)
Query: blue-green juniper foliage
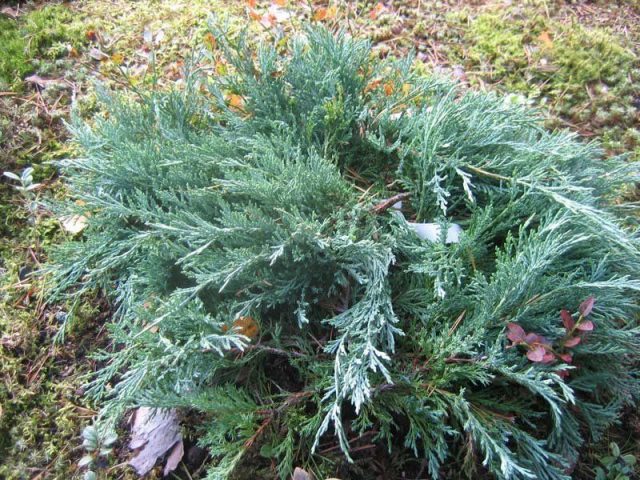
(233, 224)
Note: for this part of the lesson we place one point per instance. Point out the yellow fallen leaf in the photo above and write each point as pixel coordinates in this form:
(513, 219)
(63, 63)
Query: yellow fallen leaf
(117, 58)
(545, 38)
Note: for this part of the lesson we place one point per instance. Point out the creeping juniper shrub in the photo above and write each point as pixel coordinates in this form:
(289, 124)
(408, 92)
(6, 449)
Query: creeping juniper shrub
(262, 273)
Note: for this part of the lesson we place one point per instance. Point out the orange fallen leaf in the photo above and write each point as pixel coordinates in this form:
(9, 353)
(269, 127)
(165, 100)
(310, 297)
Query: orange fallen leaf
(545, 38)
(281, 3)
(325, 13)
(235, 101)
(210, 41)
(252, 3)
(388, 89)
(254, 15)
(372, 85)
(373, 14)
(246, 326)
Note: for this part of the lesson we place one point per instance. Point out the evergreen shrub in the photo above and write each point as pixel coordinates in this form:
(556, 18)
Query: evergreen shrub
(261, 234)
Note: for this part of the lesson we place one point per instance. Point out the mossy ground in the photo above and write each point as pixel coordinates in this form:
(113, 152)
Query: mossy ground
(577, 61)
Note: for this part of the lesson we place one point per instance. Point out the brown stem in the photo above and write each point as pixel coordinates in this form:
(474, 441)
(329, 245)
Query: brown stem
(389, 202)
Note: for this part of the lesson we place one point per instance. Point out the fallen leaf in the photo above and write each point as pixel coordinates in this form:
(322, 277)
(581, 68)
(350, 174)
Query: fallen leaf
(91, 35)
(388, 89)
(372, 85)
(210, 41)
(98, 54)
(300, 474)
(379, 8)
(545, 38)
(73, 224)
(10, 12)
(254, 15)
(251, 3)
(246, 326)
(235, 101)
(43, 82)
(281, 3)
(325, 13)
(117, 58)
(154, 432)
(173, 460)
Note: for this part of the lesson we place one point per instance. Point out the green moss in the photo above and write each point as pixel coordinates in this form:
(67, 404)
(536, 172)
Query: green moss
(48, 27)
(586, 77)
(13, 59)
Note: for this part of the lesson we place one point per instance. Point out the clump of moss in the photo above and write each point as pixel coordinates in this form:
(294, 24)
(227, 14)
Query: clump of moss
(46, 32)
(47, 27)
(13, 59)
(586, 77)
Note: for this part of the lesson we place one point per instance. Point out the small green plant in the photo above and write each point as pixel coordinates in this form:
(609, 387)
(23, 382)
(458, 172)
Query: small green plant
(28, 189)
(96, 444)
(616, 466)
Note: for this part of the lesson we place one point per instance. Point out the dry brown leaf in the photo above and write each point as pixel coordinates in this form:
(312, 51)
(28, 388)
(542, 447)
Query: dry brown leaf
(155, 432)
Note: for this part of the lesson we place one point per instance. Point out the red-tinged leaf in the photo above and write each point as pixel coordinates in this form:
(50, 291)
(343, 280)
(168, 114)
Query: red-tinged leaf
(563, 373)
(567, 320)
(586, 306)
(572, 342)
(585, 326)
(516, 332)
(548, 357)
(566, 357)
(537, 354)
(535, 339)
